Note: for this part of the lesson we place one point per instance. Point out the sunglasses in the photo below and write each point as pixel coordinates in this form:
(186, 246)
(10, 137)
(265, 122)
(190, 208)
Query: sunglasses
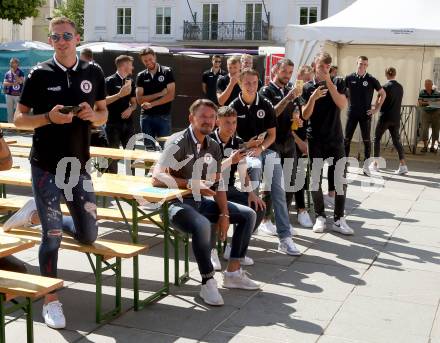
(67, 36)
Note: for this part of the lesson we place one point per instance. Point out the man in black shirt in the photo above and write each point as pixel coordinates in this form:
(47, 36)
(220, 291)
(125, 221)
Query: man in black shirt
(210, 77)
(155, 91)
(61, 139)
(325, 99)
(390, 119)
(361, 86)
(192, 160)
(121, 103)
(228, 86)
(286, 102)
(256, 116)
(234, 152)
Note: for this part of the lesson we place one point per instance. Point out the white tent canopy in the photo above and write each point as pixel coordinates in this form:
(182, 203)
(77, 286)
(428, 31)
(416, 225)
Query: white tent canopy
(125, 46)
(385, 22)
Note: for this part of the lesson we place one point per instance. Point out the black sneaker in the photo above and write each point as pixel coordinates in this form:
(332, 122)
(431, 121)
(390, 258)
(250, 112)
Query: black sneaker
(425, 149)
(433, 149)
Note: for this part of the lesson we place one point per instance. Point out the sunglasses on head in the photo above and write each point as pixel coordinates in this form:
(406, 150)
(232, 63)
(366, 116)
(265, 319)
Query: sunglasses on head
(56, 37)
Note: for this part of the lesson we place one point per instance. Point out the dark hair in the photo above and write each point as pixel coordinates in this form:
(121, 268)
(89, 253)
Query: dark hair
(391, 71)
(61, 20)
(248, 72)
(363, 58)
(305, 69)
(202, 102)
(333, 67)
(87, 53)
(226, 111)
(285, 61)
(147, 51)
(325, 57)
(215, 56)
(122, 59)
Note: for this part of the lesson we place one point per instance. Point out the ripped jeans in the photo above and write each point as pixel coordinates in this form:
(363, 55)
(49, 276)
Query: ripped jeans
(81, 225)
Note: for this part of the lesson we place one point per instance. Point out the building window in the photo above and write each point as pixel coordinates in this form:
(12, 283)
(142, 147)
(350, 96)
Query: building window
(210, 21)
(163, 20)
(123, 21)
(254, 18)
(308, 15)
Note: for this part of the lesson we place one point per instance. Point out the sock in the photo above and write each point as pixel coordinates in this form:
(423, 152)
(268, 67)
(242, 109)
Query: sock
(235, 273)
(205, 280)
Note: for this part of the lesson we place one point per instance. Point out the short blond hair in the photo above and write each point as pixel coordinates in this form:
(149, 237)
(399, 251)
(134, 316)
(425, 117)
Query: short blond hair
(234, 60)
(61, 20)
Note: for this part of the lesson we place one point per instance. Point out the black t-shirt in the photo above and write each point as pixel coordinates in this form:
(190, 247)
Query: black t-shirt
(255, 118)
(390, 110)
(325, 122)
(361, 90)
(210, 79)
(113, 85)
(227, 150)
(284, 120)
(49, 84)
(222, 84)
(155, 84)
(187, 158)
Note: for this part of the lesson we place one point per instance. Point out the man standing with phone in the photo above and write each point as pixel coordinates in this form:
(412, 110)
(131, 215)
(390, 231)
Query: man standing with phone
(63, 80)
(228, 86)
(121, 103)
(361, 86)
(325, 98)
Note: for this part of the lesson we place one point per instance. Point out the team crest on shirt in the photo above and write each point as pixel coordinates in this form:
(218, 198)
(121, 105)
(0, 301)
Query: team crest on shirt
(365, 83)
(261, 114)
(161, 78)
(16, 87)
(86, 86)
(207, 158)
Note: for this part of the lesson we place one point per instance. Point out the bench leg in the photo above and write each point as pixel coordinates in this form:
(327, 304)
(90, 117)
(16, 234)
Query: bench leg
(99, 269)
(29, 321)
(2, 318)
(176, 258)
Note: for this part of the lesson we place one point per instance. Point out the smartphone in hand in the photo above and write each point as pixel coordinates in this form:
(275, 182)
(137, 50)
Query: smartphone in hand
(68, 109)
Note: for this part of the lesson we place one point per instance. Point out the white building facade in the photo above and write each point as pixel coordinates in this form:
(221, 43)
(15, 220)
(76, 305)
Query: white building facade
(201, 22)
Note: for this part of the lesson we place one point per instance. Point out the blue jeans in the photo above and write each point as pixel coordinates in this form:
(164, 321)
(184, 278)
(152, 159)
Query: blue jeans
(155, 126)
(195, 218)
(81, 225)
(274, 181)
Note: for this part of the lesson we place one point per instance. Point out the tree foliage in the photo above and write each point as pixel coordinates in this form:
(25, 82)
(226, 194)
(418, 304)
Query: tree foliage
(18, 10)
(74, 10)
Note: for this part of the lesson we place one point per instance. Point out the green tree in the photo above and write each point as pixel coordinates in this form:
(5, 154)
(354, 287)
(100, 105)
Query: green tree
(74, 10)
(18, 10)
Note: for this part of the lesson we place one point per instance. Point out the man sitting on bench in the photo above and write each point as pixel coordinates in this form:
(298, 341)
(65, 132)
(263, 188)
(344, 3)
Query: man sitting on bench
(67, 97)
(192, 160)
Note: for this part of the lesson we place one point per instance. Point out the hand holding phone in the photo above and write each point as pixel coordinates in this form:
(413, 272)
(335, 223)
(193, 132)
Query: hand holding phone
(70, 109)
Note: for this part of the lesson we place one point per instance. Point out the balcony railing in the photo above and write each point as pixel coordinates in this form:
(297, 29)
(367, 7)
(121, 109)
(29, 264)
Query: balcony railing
(225, 31)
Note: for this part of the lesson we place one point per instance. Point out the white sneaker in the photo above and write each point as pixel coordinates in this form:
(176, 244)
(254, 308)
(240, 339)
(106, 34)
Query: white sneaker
(215, 260)
(329, 201)
(22, 217)
(245, 261)
(341, 226)
(374, 167)
(287, 246)
(304, 219)
(292, 230)
(239, 279)
(320, 225)
(210, 294)
(53, 315)
(403, 169)
(267, 228)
